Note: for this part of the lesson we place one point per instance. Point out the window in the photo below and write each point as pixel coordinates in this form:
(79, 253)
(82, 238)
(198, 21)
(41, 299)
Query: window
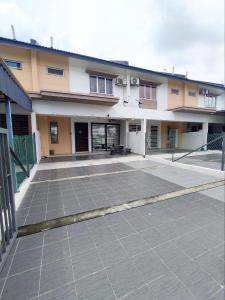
(147, 92)
(14, 64)
(55, 71)
(175, 91)
(102, 85)
(210, 101)
(191, 93)
(54, 132)
(134, 128)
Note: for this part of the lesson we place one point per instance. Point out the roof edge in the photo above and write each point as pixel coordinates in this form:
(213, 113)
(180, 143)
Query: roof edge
(22, 44)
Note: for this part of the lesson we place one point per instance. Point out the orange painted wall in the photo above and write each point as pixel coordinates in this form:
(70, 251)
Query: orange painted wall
(22, 55)
(34, 76)
(175, 100)
(64, 128)
(183, 99)
(174, 125)
(52, 82)
(191, 101)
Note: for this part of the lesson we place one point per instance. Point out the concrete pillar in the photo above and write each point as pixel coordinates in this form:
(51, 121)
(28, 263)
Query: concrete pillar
(205, 127)
(89, 138)
(33, 122)
(143, 135)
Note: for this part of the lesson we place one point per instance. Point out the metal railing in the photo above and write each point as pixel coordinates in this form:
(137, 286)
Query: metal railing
(7, 208)
(219, 141)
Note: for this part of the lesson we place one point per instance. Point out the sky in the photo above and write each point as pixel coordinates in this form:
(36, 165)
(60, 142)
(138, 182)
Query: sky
(153, 34)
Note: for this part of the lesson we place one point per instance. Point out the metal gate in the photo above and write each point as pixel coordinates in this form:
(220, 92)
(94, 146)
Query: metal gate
(7, 209)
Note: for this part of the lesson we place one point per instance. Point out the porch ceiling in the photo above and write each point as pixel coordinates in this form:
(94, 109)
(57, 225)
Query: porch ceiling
(97, 99)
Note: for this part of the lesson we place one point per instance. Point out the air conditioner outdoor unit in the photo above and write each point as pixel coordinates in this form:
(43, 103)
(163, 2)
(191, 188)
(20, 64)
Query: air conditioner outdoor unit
(121, 81)
(134, 81)
(204, 91)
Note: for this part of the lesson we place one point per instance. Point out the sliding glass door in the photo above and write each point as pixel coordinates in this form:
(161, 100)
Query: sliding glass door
(105, 136)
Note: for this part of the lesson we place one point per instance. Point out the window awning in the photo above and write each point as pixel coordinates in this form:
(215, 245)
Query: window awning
(11, 88)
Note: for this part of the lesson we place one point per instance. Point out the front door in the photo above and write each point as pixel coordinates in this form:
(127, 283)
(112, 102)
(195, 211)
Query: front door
(81, 137)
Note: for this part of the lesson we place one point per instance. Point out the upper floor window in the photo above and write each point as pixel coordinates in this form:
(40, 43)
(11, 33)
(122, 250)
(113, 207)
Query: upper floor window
(210, 101)
(54, 133)
(175, 91)
(191, 93)
(147, 92)
(55, 71)
(102, 85)
(14, 64)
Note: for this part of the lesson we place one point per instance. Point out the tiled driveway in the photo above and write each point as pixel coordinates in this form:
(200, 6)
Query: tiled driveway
(171, 250)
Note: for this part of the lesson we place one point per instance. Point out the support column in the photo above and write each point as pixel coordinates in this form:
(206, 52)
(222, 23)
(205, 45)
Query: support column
(143, 136)
(36, 136)
(10, 139)
(205, 127)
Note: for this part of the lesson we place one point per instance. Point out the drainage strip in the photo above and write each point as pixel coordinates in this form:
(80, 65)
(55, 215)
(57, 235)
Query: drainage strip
(95, 213)
(84, 176)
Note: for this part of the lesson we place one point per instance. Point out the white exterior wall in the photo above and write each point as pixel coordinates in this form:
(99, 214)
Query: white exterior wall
(193, 140)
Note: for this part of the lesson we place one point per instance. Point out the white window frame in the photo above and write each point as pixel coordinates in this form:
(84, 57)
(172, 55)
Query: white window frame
(150, 86)
(210, 101)
(49, 67)
(13, 61)
(97, 77)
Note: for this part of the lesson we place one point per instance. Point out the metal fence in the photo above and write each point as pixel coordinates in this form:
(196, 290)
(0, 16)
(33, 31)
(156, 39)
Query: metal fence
(7, 209)
(25, 150)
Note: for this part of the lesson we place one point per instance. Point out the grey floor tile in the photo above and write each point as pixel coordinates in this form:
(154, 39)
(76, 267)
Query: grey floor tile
(86, 263)
(154, 237)
(214, 266)
(150, 266)
(197, 281)
(22, 286)
(26, 260)
(168, 287)
(55, 275)
(55, 251)
(55, 235)
(66, 292)
(196, 243)
(114, 219)
(81, 243)
(139, 224)
(139, 294)
(77, 229)
(5, 270)
(219, 295)
(122, 229)
(112, 253)
(53, 214)
(94, 287)
(172, 256)
(30, 242)
(134, 244)
(124, 278)
(102, 235)
(35, 218)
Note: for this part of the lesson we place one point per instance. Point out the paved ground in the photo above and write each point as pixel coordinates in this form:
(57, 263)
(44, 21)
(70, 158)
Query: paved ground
(212, 161)
(169, 250)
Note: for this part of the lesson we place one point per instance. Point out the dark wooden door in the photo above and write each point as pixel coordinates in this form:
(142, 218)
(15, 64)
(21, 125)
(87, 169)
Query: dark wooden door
(81, 137)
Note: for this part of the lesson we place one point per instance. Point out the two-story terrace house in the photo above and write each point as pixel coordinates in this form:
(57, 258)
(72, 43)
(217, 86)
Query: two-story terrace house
(81, 103)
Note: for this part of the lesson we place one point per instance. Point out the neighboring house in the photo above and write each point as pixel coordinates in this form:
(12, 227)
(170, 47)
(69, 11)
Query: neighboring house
(81, 103)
